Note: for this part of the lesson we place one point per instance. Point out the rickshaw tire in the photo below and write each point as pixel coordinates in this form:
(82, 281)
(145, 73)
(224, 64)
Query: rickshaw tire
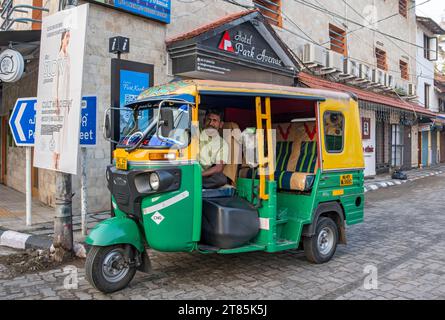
(94, 276)
(310, 244)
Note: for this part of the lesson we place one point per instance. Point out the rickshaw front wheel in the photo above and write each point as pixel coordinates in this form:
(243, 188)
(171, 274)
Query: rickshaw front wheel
(108, 269)
(320, 247)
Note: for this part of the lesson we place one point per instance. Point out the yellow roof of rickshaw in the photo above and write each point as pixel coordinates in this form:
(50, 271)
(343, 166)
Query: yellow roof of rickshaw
(240, 88)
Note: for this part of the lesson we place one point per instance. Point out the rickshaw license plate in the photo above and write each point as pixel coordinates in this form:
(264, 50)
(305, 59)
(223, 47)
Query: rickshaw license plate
(121, 163)
(346, 180)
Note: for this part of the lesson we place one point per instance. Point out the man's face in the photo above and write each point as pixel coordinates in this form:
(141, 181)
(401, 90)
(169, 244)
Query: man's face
(213, 121)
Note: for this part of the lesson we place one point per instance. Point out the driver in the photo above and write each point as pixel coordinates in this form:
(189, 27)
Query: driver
(213, 151)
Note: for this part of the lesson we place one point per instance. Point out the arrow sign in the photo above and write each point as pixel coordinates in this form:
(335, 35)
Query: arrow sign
(22, 121)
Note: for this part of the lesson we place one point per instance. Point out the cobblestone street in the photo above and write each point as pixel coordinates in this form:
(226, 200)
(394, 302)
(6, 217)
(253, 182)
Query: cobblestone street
(402, 237)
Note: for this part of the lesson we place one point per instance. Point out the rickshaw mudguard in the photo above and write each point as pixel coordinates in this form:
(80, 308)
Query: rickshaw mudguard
(117, 230)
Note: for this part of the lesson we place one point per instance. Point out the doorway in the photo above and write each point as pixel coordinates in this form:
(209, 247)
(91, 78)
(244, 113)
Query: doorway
(4, 149)
(407, 148)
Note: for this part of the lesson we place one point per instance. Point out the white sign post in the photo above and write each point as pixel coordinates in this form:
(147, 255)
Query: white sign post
(88, 130)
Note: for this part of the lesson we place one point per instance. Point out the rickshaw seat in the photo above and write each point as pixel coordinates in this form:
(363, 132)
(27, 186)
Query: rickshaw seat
(293, 172)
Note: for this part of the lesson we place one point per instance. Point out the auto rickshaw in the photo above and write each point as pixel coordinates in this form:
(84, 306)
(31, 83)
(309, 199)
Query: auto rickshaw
(298, 189)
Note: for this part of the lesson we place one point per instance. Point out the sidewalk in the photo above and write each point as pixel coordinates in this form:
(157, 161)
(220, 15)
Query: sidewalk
(383, 181)
(13, 216)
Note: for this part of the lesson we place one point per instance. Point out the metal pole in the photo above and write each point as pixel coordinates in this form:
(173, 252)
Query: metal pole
(84, 191)
(28, 188)
(63, 222)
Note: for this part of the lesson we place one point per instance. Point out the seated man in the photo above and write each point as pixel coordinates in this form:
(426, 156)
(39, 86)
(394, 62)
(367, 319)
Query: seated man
(213, 151)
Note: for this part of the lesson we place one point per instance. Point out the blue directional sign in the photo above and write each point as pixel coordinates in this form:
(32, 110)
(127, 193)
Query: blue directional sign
(22, 121)
(88, 122)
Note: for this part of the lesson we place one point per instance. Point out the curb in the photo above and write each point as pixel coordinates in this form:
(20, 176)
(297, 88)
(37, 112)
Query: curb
(19, 240)
(393, 182)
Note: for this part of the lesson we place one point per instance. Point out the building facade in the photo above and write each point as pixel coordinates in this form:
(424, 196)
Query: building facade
(365, 47)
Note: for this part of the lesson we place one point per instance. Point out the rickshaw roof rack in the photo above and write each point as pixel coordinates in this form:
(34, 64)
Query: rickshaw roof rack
(214, 87)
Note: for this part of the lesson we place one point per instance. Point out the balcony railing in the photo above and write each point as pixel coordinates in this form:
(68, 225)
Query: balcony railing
(8, 11)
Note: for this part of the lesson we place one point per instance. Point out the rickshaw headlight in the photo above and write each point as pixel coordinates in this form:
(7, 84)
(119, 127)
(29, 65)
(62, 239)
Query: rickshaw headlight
(154, 181)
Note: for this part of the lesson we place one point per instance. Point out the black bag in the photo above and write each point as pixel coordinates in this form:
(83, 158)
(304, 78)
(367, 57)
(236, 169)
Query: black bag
(399, 175)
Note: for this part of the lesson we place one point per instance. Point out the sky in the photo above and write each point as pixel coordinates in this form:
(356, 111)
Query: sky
(434, 9)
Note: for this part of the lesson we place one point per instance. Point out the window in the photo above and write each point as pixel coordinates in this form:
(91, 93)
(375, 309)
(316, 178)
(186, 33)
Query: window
(271, 9)
(403, 8)
(430, 48)
(441, 105)
(337, 37)
(381, 59)
(427, 95)
(404, 70)
(334, 124)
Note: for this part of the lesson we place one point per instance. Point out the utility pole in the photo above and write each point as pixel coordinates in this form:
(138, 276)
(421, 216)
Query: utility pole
(63, 222)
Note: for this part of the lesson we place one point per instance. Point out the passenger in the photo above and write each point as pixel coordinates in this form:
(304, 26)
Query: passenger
(213, 151)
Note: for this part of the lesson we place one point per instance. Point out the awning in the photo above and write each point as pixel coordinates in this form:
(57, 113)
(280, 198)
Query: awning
(19, 37)
(319, 83)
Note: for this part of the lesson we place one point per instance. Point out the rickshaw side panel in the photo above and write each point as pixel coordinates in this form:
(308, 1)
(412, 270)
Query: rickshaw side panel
(172, 220)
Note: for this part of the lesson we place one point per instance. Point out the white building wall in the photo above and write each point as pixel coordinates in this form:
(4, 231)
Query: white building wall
(425, 72)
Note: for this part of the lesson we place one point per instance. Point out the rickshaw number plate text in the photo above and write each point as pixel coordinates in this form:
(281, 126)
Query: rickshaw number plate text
(346, 180)
(121, 163)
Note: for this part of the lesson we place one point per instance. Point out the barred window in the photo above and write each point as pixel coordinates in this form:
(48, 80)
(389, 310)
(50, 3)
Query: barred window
(404, 70)
(271, 9)
(337, 37)
(403, 8)
(381, 59)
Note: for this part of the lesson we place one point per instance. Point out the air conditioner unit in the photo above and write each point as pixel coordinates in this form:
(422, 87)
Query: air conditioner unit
(335, 61)
(377, 76)
(390, 83)
(314, 55)
(412, 89)
(365, 72)
(351, 69)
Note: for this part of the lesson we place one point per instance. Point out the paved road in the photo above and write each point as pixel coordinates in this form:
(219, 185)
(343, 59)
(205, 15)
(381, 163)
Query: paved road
(402, 242)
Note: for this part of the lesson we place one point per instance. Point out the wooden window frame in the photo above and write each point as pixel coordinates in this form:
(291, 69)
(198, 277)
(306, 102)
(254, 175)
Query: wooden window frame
(382, 59)
(403, 8)
(404, 70)
(337, 38)
(271, 10)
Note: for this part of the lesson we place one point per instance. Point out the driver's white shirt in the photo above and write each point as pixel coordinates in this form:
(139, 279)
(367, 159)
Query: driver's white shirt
(212, 149)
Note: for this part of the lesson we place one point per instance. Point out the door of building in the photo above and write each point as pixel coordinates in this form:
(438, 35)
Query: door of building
(396, 145)
(406, 148)
(4, 149)
(381, 150)
(442, 146)
(425, 148)
(433, 147)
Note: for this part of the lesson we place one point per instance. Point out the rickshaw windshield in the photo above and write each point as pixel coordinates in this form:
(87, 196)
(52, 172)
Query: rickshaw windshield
(141, 122)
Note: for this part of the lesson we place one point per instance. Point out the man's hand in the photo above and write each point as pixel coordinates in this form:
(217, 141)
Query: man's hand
(218, 168)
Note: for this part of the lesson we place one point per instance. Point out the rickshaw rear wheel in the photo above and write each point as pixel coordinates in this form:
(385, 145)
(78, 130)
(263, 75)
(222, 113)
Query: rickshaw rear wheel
(321, 247)
(108, 269)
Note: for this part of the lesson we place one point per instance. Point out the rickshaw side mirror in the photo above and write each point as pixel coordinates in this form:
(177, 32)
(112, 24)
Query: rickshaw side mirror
(107, 126)
(166, 121)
